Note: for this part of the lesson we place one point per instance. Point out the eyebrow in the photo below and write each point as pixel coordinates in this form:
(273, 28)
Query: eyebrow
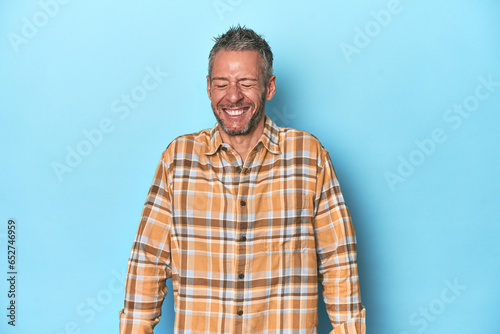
(242, 79)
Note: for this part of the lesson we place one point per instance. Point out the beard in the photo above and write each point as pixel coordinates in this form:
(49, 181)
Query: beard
(252, 123)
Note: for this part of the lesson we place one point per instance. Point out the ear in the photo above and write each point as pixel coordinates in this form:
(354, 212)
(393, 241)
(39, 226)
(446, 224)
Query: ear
(209, 88)
(271, 87)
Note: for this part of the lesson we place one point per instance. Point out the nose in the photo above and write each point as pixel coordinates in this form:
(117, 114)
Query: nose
(234, 93)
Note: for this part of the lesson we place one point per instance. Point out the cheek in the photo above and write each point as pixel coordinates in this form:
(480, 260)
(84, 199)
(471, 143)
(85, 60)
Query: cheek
(255, 97)
(216, 98)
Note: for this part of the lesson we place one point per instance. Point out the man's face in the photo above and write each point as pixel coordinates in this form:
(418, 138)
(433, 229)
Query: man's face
(238, 92)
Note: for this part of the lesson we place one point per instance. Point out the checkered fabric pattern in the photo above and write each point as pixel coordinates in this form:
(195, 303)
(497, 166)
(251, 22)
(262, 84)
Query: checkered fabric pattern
(245, 243)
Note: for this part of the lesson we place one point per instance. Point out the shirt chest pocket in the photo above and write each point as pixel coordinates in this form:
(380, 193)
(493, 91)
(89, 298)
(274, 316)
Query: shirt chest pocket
(287, 230)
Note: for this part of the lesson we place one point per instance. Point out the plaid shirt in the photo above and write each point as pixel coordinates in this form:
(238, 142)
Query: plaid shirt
(245, 242)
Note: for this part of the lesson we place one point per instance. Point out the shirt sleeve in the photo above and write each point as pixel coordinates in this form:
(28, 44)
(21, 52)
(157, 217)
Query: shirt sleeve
(149, 263)
(336, 250)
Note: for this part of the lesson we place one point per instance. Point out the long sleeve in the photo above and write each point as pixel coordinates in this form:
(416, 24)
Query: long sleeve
(149, 263)
(336, 249)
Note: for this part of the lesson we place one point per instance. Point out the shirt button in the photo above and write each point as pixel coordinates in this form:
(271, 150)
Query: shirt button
(224, 148)
(243, 238)
(247, 171)
(243, 203)
(240, 312)
(238, 169)
(241, 276)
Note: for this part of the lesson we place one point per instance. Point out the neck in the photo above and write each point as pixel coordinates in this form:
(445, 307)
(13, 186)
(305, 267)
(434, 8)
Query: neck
(243, 144)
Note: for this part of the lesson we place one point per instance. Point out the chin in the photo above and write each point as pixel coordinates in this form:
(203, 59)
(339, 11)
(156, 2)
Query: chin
(241, 131)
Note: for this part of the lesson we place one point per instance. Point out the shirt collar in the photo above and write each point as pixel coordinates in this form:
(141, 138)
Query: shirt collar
(269, 138)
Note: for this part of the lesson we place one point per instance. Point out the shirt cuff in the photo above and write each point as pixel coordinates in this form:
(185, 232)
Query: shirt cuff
(131, 325)
(356, 325)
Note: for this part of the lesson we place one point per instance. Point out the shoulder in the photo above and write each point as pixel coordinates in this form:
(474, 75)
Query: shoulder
(293, 141)
(191, 144)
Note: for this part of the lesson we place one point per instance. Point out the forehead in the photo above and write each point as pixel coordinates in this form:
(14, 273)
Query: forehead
(236, 62)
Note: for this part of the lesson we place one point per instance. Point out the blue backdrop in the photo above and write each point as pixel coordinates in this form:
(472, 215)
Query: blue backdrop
(404, 94)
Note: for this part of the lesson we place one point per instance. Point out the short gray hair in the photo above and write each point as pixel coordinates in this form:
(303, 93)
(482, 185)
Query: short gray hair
(243, 39)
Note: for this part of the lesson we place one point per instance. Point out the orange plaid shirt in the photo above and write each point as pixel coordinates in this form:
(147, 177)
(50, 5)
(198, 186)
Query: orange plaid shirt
(245, 242)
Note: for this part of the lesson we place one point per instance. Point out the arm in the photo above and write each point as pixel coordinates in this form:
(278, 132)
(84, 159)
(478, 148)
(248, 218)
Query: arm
(336, 249)
(149, 262)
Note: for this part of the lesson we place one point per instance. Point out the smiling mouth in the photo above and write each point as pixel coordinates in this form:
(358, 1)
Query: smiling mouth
(235, 111)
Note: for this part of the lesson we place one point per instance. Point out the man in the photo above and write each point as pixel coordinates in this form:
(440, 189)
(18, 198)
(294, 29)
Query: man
(246, 218)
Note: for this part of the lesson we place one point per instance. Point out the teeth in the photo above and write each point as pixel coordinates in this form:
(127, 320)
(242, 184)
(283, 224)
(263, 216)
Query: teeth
(234, 112)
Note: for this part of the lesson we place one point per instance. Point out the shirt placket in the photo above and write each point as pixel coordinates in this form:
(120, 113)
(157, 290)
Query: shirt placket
(244, 209)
